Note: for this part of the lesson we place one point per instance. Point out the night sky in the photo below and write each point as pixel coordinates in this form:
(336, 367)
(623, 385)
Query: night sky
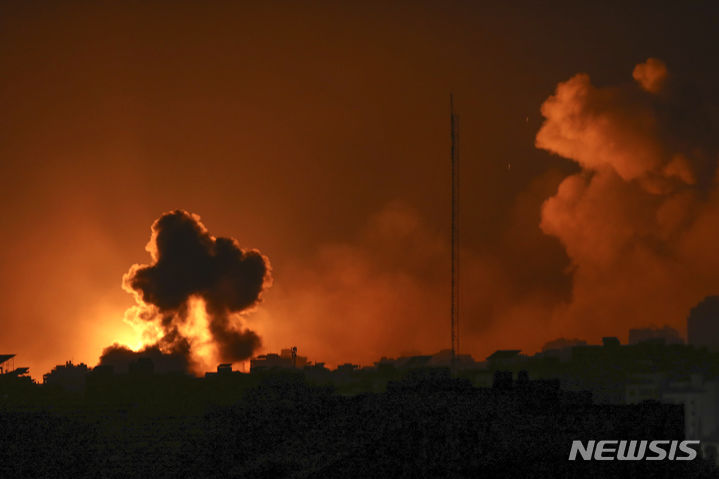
(318, 134)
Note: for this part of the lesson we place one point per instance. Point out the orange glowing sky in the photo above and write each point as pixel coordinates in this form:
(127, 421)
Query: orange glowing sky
(318, 134)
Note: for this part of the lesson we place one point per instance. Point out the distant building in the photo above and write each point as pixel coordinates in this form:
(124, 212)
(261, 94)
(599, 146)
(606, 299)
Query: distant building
(288, 359)
(6, 369)
(444, 359)
(664, 335)
(562, 349)
(645, 387)
(70, 377)
(562, 343)
(316, 372)
(4, 364)
(347, 368)
(505, 359)
(703, 324)
(224, 370)
(291, 354)
(698, 395)
(700, 398)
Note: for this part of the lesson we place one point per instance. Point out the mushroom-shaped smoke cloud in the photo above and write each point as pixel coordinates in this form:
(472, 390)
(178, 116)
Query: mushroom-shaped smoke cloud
(193, 292)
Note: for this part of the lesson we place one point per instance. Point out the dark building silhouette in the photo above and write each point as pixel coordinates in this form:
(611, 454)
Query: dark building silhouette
(224, 370)
(395, 419)
(560, 349)
(288, 358)
(666, 335)
(562, 343)
(505, 358)
(68, 376)
(442, 358)
(8, 369)
(703, 324)
(502, 380)
(4, 358)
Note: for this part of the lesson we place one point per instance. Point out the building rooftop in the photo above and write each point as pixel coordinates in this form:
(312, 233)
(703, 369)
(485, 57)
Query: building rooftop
(504, 354)
(5, 357)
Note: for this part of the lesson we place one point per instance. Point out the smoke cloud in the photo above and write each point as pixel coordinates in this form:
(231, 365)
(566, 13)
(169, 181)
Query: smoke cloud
(635, 227)
(638, 221)
(191, 297)
(651, 75)
(387, 292)
(175, 360)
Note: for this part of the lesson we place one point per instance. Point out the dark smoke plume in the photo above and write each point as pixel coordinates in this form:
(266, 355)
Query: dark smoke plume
(190, 263)
(120, 357)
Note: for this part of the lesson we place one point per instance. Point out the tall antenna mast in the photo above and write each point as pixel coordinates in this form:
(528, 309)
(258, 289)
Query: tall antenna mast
(454, 132)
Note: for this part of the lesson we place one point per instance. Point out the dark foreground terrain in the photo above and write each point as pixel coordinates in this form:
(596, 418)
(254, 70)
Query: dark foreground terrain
(425, 424)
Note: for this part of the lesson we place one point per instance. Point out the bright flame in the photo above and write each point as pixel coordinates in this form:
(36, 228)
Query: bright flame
(197, 329)
(145, 333)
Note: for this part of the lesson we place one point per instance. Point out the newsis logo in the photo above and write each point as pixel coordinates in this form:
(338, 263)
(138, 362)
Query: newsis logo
(633, 450)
